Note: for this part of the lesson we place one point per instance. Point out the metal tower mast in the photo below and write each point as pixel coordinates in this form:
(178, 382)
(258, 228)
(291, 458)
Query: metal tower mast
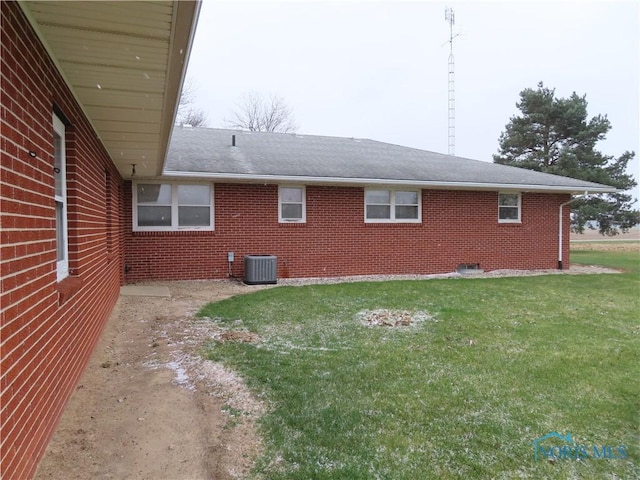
(449, 17)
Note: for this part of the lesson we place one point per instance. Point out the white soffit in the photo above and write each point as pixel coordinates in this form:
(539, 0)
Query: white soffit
(125, 63)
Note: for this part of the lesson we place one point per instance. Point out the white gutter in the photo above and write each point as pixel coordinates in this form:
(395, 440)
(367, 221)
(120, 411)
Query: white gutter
(242, 177)
(560, 227)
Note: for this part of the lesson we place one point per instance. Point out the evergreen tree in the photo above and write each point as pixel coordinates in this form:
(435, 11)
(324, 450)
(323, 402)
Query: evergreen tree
(554, 135)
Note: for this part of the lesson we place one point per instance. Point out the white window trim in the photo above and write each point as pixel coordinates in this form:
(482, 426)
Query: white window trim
(282, 219)
(393, 206)
(174, 208)
(62, 266)
(510, 220)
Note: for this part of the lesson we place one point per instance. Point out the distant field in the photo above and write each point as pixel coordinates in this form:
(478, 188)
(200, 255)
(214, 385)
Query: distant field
(607, 246)
(594, 235)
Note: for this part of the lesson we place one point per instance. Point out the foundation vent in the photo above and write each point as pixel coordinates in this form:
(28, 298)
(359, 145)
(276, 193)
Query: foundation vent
(469, 268)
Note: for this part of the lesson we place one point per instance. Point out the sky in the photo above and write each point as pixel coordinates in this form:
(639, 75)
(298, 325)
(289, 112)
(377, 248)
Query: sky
(379, 70)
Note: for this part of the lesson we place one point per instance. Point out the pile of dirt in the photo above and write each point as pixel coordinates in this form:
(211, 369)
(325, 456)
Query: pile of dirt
(237, 336)
(391, 318)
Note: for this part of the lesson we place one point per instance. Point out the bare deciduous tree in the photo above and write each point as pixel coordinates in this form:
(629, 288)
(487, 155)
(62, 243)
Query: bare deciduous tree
(194, 117)
(188, 115)
(188, 92)
(256, 113)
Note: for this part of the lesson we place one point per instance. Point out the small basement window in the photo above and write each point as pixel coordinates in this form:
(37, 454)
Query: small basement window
(509, 207)
(168, 207)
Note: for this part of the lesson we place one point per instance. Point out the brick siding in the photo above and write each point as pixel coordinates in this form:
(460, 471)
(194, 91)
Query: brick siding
(458, 227)
(48, 328)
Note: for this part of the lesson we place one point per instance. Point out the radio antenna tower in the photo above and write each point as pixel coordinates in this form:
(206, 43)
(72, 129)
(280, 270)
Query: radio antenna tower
(449, 17)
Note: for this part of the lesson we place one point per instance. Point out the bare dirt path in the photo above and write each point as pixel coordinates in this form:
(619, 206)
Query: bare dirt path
(148, 406)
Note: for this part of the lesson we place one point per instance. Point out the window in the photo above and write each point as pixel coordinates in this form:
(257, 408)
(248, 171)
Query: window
(292, 207)
(60, 176)
(509, 207)
(166, 206)
(392, 206)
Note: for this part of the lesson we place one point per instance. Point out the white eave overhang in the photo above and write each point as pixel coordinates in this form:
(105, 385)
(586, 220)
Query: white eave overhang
(294, 179)
(125, 64)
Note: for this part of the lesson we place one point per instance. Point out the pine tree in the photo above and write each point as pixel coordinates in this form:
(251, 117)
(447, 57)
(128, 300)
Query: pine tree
(555, 135)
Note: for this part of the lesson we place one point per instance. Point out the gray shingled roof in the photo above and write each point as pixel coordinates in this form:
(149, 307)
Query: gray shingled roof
(208, 153)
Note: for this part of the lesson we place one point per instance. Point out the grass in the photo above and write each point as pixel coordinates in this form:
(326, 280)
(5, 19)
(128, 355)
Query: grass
(628, 261)
(464, 394)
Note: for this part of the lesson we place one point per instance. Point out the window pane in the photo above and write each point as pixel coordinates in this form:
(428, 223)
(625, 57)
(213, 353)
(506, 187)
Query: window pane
(194, 195)
(291, 195)
(407, 212)
(508, 200)
(193, 216)
(378, 196)
(154, 216)
(154, 193)
(291, 211)
(60, 230)
(378, 212)
(407, 198)
(508, 213)
(57, 164)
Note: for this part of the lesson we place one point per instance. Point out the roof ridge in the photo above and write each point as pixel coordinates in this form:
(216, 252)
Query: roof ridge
(332, 137)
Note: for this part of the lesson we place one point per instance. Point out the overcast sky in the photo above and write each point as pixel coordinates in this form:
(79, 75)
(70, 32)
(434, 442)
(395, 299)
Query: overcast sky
(379, 70)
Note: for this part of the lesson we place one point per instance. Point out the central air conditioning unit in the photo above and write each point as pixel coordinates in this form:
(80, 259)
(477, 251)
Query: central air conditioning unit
(260, 269)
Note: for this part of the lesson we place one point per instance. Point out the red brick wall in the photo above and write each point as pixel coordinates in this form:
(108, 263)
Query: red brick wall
(457, 227)
(48, 329)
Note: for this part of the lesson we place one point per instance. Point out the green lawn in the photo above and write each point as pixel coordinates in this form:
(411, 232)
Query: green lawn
(461, 394)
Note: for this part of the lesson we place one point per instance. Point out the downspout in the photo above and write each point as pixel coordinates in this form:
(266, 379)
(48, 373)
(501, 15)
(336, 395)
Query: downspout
(560, 227)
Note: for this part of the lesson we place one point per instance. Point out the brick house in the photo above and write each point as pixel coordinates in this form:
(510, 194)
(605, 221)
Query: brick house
(326, 206)
(91, 198)
(88, 88)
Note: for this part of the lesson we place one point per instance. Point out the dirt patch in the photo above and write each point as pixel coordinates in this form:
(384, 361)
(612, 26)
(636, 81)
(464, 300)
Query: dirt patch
(149, 406)
(391, 318)
(238, 336)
